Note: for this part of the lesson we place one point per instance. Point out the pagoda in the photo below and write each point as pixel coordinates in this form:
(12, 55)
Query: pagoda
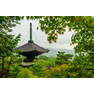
(30, 50)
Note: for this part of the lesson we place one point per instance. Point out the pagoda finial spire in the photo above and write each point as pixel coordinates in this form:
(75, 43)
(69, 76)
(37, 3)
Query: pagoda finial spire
(30, 32)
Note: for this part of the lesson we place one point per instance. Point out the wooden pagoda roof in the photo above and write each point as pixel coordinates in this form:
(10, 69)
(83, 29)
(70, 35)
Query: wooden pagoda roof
(31, 46)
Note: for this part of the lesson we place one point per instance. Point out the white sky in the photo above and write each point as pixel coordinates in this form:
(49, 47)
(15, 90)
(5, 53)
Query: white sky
(40, 37)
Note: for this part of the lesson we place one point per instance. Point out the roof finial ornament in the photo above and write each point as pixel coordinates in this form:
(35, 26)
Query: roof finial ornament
(30, 33)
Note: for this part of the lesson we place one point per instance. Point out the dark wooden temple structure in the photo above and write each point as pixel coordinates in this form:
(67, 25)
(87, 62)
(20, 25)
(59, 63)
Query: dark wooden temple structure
(30, 49)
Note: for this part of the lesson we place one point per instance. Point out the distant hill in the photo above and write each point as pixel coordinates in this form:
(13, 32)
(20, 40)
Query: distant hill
(53, 52)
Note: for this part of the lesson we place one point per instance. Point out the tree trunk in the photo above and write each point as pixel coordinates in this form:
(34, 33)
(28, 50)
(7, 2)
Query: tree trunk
(2, 63)
(2, 71)
(9, 67)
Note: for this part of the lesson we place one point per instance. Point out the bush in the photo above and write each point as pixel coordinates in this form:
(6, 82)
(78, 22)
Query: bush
(41, 65)
(25, 73)
(64, 71)
(57, 72)
(14, 70)
(17, 71)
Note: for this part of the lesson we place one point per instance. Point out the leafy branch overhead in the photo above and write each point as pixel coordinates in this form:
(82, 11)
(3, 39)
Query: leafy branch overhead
(54, 25)
(7, 22)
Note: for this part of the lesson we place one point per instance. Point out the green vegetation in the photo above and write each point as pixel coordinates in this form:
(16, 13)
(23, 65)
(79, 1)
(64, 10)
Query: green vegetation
(82, 65)
(63, 58)
(58, 67)
(41, 65)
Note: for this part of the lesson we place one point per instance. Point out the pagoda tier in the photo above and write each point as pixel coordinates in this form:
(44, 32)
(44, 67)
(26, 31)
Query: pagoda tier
(30, 50)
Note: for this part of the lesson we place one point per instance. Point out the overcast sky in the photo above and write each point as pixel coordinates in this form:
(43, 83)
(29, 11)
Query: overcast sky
(40, 37)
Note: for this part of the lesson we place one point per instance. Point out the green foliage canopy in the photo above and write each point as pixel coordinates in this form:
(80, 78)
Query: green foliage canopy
(7, 22)
(7, 44)
(82, 25)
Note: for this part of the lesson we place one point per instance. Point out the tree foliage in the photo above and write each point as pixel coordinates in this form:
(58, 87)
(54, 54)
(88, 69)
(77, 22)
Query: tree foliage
(8, 42)
(7, 22)
(82, 25)
(63, 58)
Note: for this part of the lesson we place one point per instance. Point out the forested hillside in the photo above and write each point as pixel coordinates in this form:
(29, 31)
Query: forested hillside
(53, 52)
